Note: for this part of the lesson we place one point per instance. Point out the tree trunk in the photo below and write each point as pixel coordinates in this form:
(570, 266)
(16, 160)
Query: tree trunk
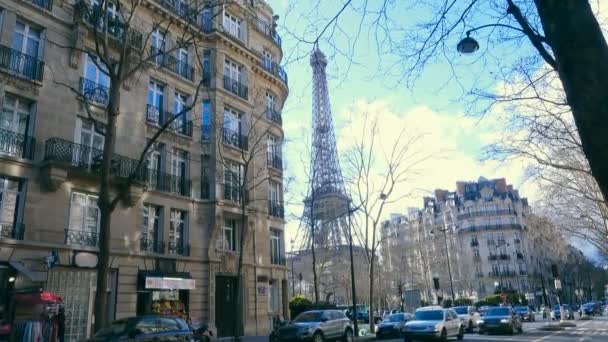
(238, 303)
(105, 211)
(371, 295)
(581, 53)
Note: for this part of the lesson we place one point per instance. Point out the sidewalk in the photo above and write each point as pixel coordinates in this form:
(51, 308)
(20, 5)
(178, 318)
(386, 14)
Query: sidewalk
(265, 339)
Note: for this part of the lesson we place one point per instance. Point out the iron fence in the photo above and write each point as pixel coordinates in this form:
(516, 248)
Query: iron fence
(81, 237)
(274, 116)
(267, 30)
(178, 66)
(236, 87)
(276, 209)
(178, 248)
(166, 182)
(275, 161)
(157, 117)
(21, 64)
(16, 145)
(46, 4)
(94, 92)
(12, 230)
(234, 138)
(116, 28)
(151, 245)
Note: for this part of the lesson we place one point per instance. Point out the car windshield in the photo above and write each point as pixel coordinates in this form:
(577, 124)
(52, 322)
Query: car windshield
(115, 328)
(430, 315)
(394, 318)
(521, 308)
(461, 310)
(312, 316)
(497, 312)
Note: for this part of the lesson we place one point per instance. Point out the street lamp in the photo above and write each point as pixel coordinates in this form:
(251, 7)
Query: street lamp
(469, 45)
(447, 256)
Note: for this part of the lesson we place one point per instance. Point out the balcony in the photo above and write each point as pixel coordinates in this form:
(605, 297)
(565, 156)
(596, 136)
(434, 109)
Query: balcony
(16, 145)
(44, 4)
(274, 116)
(94, 92)
(11, 230)
(20, 64)
(474, 243)
(481, 228)
(520, 256)
(234, 138)
(277, 260)
(166, 182)
(492, 257)
(276, 209)
(236, 87)
(505, 257)
(275, 161)
(151, 246)
(117, 29)
(517, 241)
(267, 30)
(81, 237)
(178, 66)
(180, 9)
(178, 248)
(275, 69)
(157, 117)
(232, 192)
(88, 158)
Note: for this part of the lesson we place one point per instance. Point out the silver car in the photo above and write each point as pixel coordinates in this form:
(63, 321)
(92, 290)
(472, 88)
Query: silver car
(317, 326)
(434, 323)
(468, 315)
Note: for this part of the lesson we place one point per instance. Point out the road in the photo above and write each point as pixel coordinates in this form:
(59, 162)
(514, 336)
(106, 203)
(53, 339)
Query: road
(595, 330)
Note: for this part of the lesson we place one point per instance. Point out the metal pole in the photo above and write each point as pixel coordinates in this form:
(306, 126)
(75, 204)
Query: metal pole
(293, 277)
(352, 274)
(447, 255)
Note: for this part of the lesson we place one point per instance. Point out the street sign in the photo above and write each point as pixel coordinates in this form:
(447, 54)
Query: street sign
(558, 284)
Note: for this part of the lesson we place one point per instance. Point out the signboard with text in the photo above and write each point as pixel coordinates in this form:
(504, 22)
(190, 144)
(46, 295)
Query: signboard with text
(169, 283)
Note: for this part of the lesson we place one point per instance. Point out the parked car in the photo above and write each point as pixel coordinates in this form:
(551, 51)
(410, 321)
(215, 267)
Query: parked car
(468, 315)
(556, 312)
(500, 319)
(146, 328)
(527, 315)
(435, 323)
(392, 325)
(317, 326)
(592, 309)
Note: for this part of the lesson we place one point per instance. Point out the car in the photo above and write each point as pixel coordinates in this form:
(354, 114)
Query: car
(468, 315)
(527, 315)
(592, 309)
(433, 323)
(500, 319)
(392, 325)
(556, 312)
(317, 326)
(146, 328)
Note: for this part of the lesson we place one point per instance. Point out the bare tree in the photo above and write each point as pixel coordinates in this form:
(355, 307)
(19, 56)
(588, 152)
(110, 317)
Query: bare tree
(374, 175)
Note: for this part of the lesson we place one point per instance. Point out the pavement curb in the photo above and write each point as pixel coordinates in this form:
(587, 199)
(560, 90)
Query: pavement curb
(551, 328)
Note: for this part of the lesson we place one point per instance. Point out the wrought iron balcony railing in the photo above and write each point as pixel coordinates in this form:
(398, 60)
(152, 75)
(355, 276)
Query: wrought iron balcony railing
(46, 4)
(178, 66)
(151, 246)
(277, 260)
(274, 116)
(116, 28)
(86, 157)
(157, 117)
(474, 243)
(234, 138)
(166, 182)
(236, 87)
(517, 241)
(276, 209)
(520, 256)
(94, 92)
(178, 248)
(481, 228)
(275, 161)
(492, 257)
(267, 30)
(81, 237)
(16, 145)
(505, 257)
(11, 230)
(21, 64)
(486, 213)
(275, 69)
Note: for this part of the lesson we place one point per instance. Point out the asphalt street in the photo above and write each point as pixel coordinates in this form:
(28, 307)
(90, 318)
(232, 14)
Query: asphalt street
(595, 330)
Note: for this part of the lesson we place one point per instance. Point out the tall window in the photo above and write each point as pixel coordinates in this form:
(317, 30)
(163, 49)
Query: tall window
(179, 169)
(89, 142)
(15, 117)
(273, 296)
(155, 162)
(26, 39)
(151, 224)
(97, 82)
(267, 59)
(84, 219)
(206, 66)
(232, 25)
(176, 231)
(156, 93)
(228, 240)
(180, 104)
(205, 176)
(233, 176)
(206, 120)
(275, 207)
(273, 149)
(158, 45)
(275, 247)
(232, 70)
(233, 126)
(97, 11)
(183, 60)
(9, 202)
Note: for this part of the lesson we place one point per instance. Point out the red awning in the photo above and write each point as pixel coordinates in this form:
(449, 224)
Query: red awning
(44, 297)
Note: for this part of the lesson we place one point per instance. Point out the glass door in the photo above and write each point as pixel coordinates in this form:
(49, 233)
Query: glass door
(88, 150)
(14, 119)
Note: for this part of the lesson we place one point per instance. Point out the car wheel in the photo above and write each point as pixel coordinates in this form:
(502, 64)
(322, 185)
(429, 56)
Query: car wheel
(318, 337)
(460, 335)
(444, 335)
(348, 336)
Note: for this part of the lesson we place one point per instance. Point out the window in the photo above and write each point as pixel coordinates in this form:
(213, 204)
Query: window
(267, 60)
(274, 152)
(83, 224)
(274, 192)
(96, 82)
(97, 12)
(206, 119)
(273, 297)
(183, 63)
(26, 39)
(180, 107)
(89, 142)
(15, 118)
(179, 171)
(271, 104)
(233, 126)
(232, 70)
(233, 176)
(232, 25)
(151, 226)
(9, 202)
(155, 165)
(476, 253)
(275, 247)
(206, 67)
(158, 45)
(205, 176)
(155, 103)
(176, 231)
(228, 240)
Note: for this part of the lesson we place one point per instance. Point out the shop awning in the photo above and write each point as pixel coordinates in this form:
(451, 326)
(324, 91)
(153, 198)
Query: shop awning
(169, 283)
(44, 297)
(32, 275)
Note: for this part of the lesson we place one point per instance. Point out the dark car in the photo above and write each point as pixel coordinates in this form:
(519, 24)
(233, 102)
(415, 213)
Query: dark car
(316, 326)
(557, 315)
(146, 328)
(391, 325)
(526, 314)
(500, 319)
(592, 309)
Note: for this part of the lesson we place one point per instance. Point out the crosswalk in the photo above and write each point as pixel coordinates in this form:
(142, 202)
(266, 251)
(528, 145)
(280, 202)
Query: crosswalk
(583, 331)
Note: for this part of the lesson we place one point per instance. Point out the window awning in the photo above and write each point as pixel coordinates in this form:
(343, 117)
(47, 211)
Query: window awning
(31, 275)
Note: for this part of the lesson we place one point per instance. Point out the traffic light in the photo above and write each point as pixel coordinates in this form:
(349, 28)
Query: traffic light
(436, 283)
(554, 271)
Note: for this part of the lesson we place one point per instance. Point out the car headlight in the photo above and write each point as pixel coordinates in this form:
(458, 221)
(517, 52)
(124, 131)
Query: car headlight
(480, 321)
(504, 320)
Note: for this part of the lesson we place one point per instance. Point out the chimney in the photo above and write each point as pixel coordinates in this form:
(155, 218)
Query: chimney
(501, 185)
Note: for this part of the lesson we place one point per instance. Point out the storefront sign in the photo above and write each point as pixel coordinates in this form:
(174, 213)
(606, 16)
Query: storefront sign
(169, 283)
(84, 259)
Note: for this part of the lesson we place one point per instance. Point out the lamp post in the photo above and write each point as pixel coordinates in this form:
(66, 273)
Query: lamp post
(293, 274)
(469, 45)
(447, 255)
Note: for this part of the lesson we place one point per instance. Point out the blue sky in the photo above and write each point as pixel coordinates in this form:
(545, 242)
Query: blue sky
(431, 107)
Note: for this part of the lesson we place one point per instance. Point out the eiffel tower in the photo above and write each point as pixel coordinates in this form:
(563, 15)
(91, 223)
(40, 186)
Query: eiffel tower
(326, 205)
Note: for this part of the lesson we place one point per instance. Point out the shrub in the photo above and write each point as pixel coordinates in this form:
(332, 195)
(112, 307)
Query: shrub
(299, 304)
(463, 301)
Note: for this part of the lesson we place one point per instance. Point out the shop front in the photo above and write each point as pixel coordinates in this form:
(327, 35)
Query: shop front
(164, 294)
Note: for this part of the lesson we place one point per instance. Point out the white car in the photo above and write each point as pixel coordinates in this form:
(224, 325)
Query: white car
(435, 323)
(468, 315)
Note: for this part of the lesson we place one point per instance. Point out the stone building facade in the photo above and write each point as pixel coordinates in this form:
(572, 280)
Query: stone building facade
(492, 240)
(175, 244)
